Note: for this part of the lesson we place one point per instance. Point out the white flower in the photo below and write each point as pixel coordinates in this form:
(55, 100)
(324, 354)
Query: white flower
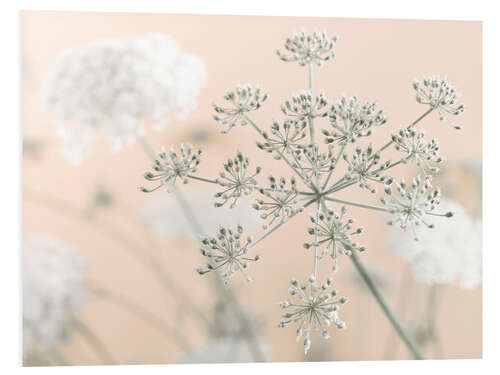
(53, 291)
(450, 253)
(113, 86)
(166, 218)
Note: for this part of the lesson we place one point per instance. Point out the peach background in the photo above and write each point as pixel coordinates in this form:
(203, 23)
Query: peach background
(376, 60)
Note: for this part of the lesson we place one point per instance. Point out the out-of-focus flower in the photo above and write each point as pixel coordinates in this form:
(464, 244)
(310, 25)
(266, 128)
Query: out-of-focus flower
(53, 291)
(450, 253)
(439, 94)
(313, 310)
(307, 49)
(167, 220)
(115, 86)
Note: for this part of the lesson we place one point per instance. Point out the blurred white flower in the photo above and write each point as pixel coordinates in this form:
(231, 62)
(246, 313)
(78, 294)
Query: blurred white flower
(449, 253)
(166, 218)
(115, 86)
(53, 290)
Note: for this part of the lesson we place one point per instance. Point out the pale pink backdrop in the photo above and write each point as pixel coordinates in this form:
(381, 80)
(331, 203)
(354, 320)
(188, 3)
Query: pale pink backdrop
(376, 60)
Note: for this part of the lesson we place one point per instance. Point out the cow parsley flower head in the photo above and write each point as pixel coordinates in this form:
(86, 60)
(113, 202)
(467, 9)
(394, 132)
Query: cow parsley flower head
(285, 138)
(439, 94)
(309, 48)
(334, 234)
(361, 168)
(236, 180)
(281, 202)
(412, 205)
(305, 107)
(114, 86)
(242, 100)
(449, 254)
(53, 291)
(312, 309)
(350, 120)
(227, 251)
(170, 166)
(425, 154)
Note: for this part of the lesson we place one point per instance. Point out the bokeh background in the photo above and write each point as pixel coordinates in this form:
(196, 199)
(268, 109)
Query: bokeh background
(376, 60)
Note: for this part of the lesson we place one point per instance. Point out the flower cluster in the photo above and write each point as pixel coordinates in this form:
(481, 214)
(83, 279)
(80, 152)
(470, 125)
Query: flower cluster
(285, 138)
(451, 253)
(227, 251)
(412, 204)
(114, 86)
(330, 231)
(243, 100)
(170, 166)
(312, 166)
(281, 202)
(439, 94)
(53, 291)
(312, 310)
(413, 143)
(307, 49)
(236, 180)
(305, 107)
(360, 169)
(351, 120)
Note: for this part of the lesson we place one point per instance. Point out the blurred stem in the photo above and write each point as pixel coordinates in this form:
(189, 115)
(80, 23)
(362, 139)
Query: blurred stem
(126, 243)
(94, 342)
(435, 291)
(403, 300)
(143, 314)
(197, 229)
(389, 313)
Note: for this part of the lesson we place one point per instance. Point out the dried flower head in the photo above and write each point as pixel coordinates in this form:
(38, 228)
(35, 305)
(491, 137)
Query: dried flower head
(236, 180)
(413, 143)
(170, 166)
(307, 49)
(285, 138)
(281, 201)
(312, 162)
(411, 205)
(313, 310)
(330, 231)
(351, 120)
(226, 251)
(114, 87)
(243, 99)
(439, 94)
(360, 168)
(305, 107)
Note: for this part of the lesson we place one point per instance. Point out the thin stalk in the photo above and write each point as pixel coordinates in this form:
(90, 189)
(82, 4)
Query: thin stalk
(356, 204)
(94, 342)
(311, 124)
(197, 228)
(146, 316)
(389, 313)
(334, 165)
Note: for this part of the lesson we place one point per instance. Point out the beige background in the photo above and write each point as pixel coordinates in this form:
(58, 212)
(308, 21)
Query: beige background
(376, 60)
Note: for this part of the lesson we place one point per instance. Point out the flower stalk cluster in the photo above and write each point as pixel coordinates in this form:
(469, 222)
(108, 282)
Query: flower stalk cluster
(316, 166)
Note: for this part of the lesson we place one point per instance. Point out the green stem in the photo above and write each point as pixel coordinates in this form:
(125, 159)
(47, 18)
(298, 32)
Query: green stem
(391, 316)
(356, 204)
